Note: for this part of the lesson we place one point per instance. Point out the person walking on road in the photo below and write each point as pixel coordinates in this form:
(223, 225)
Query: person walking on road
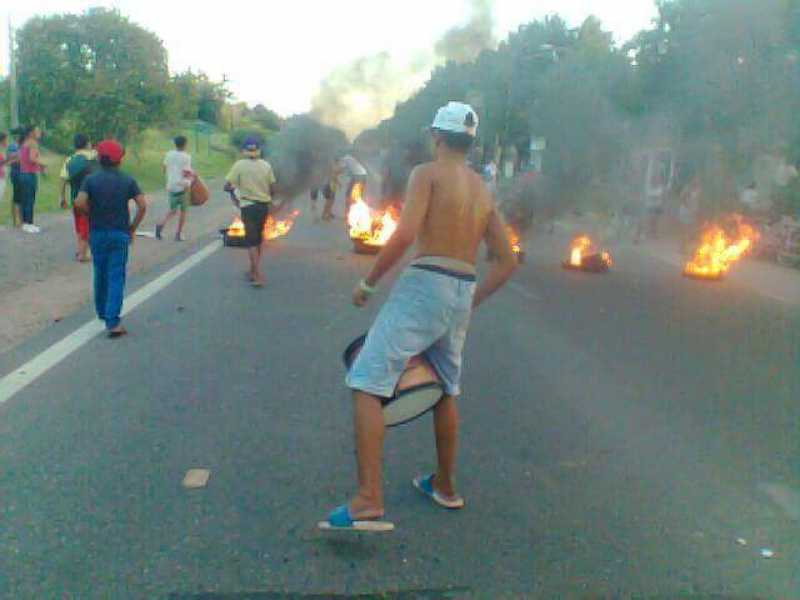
(30, 167)
(75, 170)
(104, 196)
(178, 170)
(251, 183)
(330, 190)
(448, 212)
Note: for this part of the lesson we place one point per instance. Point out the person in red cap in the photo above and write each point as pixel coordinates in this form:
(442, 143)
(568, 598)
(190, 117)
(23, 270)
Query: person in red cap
(104, 196)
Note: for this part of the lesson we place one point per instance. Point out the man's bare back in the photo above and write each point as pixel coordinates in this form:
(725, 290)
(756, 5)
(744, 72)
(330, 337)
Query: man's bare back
(448, 212)
(459, 209)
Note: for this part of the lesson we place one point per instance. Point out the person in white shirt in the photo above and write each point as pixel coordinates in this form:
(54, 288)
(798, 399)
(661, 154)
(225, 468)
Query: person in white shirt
(177, 168)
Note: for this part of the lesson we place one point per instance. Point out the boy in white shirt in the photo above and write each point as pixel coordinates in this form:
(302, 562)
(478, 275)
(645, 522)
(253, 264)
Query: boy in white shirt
(177, 168)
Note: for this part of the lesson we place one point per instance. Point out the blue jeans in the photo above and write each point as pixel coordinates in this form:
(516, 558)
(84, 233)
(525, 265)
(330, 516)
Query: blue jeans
(110, 257)
(29, 185)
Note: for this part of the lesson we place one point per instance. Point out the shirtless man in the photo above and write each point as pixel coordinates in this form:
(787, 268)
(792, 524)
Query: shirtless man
(448, 213)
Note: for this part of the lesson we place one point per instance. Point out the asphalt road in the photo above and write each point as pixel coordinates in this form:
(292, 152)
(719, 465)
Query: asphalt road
(620, 433)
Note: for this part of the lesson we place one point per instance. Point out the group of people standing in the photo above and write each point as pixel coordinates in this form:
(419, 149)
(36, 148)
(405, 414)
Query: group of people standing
(22, 157)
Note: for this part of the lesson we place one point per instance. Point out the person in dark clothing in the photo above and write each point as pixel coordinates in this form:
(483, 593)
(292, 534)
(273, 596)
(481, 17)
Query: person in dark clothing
(14, 178)
(104, 196)
(75, 170)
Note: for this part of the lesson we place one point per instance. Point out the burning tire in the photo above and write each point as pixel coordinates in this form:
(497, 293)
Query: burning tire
(231, 241)
(583, 257)
(594, 263)
(721, 247)
(696, 277)
(361, 247)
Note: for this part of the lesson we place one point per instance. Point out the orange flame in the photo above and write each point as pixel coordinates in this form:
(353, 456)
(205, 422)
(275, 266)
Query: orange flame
(718, 251)
(513, 237)
(370, 227)
(274, 229)
(579, 248)
(236, 228)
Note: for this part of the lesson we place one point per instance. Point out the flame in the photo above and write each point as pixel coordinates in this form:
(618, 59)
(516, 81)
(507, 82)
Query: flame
(718, 251)
(371, 228)
(274, 229)
(513, 237)
(384, 229)
(236, 228)
(579, 248)
(359, 219)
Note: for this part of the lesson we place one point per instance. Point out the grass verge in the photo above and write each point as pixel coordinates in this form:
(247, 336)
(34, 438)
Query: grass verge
(212, 156)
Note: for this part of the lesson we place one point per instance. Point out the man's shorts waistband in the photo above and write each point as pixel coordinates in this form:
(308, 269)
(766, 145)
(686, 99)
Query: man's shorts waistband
(449, 272)
(447, 266)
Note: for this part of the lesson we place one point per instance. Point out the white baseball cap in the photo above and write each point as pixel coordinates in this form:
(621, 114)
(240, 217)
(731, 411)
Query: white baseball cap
(457, 117)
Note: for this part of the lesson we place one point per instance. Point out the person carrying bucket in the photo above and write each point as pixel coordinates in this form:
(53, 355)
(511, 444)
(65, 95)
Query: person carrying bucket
(448, 212)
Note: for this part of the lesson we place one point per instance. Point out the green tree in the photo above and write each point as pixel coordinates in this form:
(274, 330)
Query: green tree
(197, 97)
(265, 118)
(97, 71)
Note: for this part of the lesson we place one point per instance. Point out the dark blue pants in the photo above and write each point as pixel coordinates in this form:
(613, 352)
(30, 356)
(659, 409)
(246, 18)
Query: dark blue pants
(29, 184)
(110, 257)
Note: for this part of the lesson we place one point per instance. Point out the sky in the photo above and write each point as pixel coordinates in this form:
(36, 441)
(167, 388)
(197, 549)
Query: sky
(275, 52)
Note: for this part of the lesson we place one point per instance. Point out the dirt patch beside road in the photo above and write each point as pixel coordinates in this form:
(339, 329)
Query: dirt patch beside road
(40, 282)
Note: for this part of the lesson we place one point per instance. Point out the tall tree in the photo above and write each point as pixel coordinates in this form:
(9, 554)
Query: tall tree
(100, 71)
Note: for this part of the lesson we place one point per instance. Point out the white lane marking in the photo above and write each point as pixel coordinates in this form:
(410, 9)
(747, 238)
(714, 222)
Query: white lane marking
(40, 364)
(523, 291)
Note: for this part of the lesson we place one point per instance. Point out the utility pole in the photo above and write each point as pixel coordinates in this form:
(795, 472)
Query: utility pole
(12, 70)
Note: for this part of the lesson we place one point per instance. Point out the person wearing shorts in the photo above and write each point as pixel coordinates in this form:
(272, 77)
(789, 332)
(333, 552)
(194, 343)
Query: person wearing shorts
(447, 213)
(254, 217)
(251, 183)
(75, 170)
(329, 191)
(177, 168)
(179, 201)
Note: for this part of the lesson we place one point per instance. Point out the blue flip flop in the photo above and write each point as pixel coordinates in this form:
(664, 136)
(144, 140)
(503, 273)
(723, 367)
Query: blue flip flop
(341, 520)
(425, 485)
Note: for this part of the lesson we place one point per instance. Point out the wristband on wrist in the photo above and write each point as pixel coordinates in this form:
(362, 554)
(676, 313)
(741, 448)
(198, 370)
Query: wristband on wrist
(366, 288)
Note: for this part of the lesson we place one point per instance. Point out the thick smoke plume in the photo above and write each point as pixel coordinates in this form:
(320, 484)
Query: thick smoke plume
(465, 43)
(362, 94)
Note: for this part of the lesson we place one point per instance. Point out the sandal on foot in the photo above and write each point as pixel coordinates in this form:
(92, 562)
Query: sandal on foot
(341, 520)
(117, 333)
(425, 485)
